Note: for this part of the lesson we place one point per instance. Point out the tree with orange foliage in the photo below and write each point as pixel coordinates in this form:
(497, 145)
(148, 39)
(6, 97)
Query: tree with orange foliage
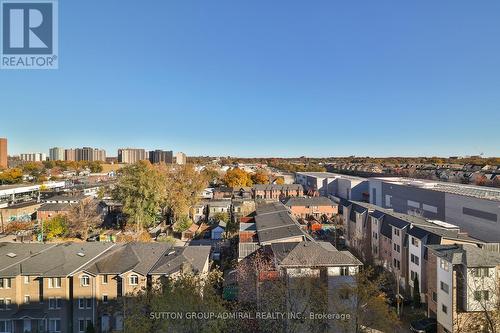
(237, 177)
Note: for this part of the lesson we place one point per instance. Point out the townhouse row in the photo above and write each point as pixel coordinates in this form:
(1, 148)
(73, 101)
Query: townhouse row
(417, 251)
(66, 287)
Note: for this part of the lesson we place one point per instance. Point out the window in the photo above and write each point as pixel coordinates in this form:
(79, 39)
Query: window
(481, 272)
(444, 308)
(105, 298)
(1, 283)
(344, 271)
(8, 303)
(434, 297)
(134, 280)
(88, 303)
(5, 326)
(85, 280)
(27, 299)
(481, 295)
(397, 264)
(54, 325)
(55, 282)
(26, 280)
(55, 303)
(397, 248)
(413, 275)
(396, 232)
(85, 303)
(7, 283)
(414, 259)
(104, 279)
(414, 241)
(83, 323)
(2, 304)
(444, 265)
(445, 287)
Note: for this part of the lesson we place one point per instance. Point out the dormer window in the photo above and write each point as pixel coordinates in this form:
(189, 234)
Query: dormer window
(84, 280)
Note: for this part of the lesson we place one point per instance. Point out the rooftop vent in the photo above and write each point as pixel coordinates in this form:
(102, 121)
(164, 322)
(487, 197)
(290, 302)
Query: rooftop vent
(80, 254)
(11, 255)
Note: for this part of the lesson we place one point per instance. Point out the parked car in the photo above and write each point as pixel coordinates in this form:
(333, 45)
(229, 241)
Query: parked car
(427, 325)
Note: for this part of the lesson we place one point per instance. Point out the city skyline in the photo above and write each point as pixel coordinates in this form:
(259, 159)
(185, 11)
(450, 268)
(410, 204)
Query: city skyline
(382, 79)
(113, 152)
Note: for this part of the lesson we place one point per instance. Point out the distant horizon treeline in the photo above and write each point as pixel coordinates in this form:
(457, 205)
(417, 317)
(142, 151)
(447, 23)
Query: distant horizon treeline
(476, 160)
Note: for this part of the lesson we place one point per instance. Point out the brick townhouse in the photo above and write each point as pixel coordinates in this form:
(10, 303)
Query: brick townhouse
(275, 192)
(315, 207)
(397, 241)
(67, 286)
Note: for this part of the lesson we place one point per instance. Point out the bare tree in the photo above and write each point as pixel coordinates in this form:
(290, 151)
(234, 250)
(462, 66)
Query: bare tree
(264, 289)
(366, 304)
(482, 314)
(83, 218)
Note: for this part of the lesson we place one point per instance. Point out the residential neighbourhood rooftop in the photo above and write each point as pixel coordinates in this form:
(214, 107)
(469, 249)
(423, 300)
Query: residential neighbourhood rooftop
(312, 254)
(276, 187)
(59, 260)
(273, 222)
(468, 255)
(176, 259)
(54, 207)
(309, 201)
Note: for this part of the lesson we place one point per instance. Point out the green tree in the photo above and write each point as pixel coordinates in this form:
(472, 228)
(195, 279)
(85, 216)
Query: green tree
(221, 216)
(181, 188)
(211, 175)
(95, 166)
(182, 224)
(56, 227)
(416, 293)
(48, 164)
(140, 189)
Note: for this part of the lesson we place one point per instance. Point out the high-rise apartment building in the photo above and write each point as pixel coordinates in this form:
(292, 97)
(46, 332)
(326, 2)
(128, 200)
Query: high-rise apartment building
(161, 156)
(180, 158)
(69, 155)
(33, 157)
(3, 153)
(131, 155)
(85, 154)
(57, 154)
(90, 154)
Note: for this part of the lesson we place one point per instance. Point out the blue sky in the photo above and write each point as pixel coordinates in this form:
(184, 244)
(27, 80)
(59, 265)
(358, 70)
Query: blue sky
(265, 78)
